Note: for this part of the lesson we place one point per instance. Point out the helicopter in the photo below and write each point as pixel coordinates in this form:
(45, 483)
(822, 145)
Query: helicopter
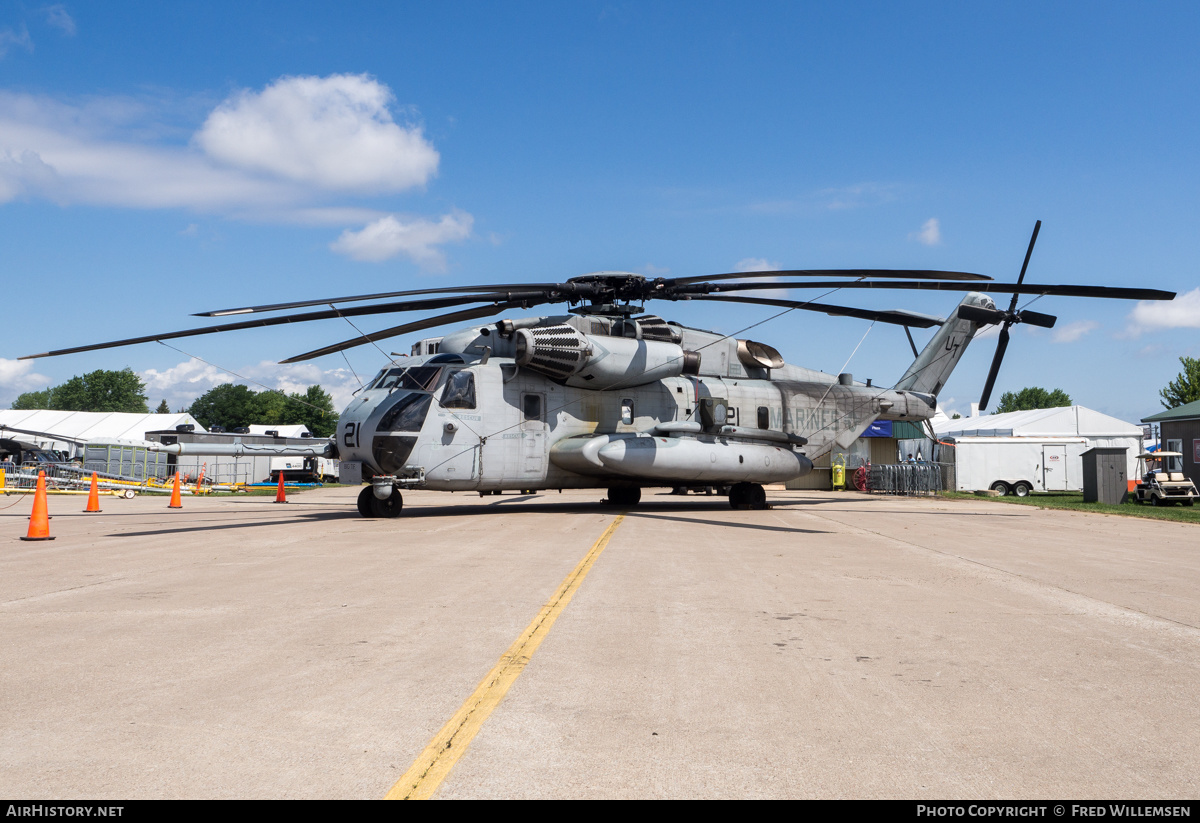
(609, 396)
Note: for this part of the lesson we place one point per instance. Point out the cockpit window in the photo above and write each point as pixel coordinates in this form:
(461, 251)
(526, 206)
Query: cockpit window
(447, 358)
(416, 378)
(375, 379)
(460, 391)
(407, 415)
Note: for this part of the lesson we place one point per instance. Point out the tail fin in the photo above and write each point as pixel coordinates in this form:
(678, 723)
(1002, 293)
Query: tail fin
(930, 371)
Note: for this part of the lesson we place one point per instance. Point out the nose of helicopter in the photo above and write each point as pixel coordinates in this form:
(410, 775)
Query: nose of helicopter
(393, 429)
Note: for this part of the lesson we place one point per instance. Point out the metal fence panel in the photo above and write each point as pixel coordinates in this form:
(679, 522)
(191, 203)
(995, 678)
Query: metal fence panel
(906, 478)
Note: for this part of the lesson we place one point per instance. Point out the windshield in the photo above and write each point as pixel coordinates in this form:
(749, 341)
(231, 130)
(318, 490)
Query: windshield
(415, 378)
(407, 414)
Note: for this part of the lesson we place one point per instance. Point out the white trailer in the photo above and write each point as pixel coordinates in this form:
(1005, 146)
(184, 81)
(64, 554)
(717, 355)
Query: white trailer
(1020, 465)
(1036, 450)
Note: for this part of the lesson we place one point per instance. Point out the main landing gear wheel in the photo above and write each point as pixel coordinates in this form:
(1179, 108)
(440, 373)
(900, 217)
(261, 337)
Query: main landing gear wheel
(371, 506)
(624, 495)
(748, 496)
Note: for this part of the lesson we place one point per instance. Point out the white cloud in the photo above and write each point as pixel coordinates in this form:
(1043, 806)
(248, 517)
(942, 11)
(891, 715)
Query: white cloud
(111, 151)
(756, 264)
(17, 377)
(65, 154)
(10, 38)
(334, 132)
(1073, 331)
(416, 239)
(858, 195)
(183, 383)
(1152, 315)
(278, 155)
(930, 233)
(58, 17)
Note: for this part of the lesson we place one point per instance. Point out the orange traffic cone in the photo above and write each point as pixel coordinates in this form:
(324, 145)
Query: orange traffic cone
(280, 496)
(176, 499)
(39, 519)
(93, 504)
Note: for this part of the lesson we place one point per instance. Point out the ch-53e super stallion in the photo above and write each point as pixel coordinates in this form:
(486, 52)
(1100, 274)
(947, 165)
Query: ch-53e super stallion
(606, 396)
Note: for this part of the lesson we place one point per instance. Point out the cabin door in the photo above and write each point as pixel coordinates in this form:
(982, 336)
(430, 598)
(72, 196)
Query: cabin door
(533, 436)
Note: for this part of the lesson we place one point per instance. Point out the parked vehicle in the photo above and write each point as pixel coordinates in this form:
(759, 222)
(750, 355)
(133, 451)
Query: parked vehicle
(304, 469)
(1160, 487)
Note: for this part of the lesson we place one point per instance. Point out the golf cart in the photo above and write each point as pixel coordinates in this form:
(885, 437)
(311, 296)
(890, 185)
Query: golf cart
(1157, 486)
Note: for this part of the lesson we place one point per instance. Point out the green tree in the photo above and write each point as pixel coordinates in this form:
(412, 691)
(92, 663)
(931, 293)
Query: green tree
(163, 408)
(33, 400)
(98, 391)
(314, 409)
(270, 408)
(227, 405)
(232, 406)
(1032, 398)
(1183, 389)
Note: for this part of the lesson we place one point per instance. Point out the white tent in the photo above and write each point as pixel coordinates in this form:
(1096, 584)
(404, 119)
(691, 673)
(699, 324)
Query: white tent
(63, 430)
(1065, 421)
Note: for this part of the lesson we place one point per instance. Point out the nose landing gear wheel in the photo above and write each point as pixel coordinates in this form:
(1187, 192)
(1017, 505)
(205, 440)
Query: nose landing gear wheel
(371, 506)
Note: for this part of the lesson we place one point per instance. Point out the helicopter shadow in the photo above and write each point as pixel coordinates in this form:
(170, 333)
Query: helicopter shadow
(307, 517)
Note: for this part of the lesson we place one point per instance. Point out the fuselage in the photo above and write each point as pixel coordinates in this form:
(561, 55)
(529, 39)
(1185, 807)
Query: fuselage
(469, 419)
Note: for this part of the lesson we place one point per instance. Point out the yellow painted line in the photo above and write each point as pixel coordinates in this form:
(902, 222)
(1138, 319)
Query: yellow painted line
(426, 774)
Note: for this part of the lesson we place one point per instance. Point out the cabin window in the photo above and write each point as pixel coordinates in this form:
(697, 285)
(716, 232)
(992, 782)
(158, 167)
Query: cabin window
(460, 391)
(764, 417)
(531, 406)
(627, 411)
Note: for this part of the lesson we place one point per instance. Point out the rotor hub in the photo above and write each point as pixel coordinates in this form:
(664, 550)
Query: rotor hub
(611, 293)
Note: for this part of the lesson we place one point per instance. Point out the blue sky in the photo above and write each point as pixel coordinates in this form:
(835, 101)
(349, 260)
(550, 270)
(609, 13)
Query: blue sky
(161, 159)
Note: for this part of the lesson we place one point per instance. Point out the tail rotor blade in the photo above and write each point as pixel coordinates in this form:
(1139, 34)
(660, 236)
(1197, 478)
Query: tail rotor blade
(979, 314)
(1028, 253)
(1001, 345)
(1033, 318)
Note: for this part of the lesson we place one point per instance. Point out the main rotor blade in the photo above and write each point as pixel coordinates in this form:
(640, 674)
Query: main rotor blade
(1001, 345)
(427, 323)
(897, 317)
(527, 298)
(899, 274)
(1114, 292)
(299, 304)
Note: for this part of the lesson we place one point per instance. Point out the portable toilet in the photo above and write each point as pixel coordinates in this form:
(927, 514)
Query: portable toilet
(1105, 477)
